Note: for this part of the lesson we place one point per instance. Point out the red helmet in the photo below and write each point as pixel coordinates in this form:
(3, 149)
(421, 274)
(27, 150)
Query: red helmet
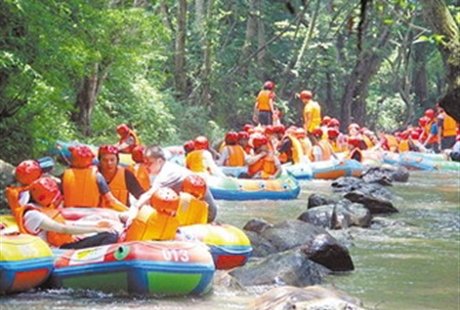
(422, 121)
(28, 171)
(45, 191)
(81, 156)
(165, 200)
(194, 185)
(259, 140)
(279, 129)
(326, 120)
(231, 137)
(122, 129)
(247, 127)
(269, 129)
(306, 94)
(137, 154)
(269, 85)
(353, 125)
(243, 135)
(317, 132)
(201, 143)
(300, 133)
(189, 146)
(429, 113)
(415, 135)
(333, 133)
(333, 122)
(457, 138)
(355, 141)
(107, 149)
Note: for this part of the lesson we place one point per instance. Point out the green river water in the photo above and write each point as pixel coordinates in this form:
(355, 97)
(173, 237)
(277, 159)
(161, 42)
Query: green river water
(412, 262)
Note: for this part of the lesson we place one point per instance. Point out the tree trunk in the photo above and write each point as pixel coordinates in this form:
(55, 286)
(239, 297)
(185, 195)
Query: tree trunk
(261, 37)
(179, 56)
(207, 58)
(419, 77)
(86, 98)
(251, 30)
(438, 16)
(367, 65)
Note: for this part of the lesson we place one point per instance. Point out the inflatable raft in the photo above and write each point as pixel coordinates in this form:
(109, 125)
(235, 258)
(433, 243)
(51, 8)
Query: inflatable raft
(229, 188)
(229, 246)
(167, 268)
(25, 262)
(328, 169)
(427, 162)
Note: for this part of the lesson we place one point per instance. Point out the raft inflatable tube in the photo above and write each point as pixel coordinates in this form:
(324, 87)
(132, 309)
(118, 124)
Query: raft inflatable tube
(419, 161)
(391, 158)
(229, 246)
(26, 261)
(228, 188)
(8, 224)
(165, 268)
(327, 170)
(61, 148)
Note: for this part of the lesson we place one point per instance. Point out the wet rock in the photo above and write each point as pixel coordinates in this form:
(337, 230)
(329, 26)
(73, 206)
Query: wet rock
(327, 251)
(319, 200)
(325, 304)
(286, 268)
(373, 204)
(342, 214)
(257, 225)
(260, 246)
(288, 297)
(223, 279)
(350, 184)
(386, 175)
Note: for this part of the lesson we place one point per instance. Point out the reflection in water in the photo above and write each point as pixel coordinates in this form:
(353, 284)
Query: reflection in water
(408, 262)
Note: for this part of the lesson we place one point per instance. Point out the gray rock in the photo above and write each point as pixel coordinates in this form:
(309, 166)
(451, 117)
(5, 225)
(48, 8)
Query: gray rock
(257, 225)
(260, 246)
(319, 200)
(373, 204)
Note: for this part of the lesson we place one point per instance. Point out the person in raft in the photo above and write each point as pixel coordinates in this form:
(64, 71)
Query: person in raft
(84, 186)
(122, 182)
(263, 164)
(44, 220)
(233, 154)
(128, 139)
(201, 160)
(166, 174)
(311, 111)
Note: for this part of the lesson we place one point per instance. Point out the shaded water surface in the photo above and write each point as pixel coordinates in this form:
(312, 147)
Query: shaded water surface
(409, 261)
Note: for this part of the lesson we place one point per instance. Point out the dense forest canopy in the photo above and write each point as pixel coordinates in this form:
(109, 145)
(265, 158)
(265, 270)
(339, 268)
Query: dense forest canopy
(74, 70)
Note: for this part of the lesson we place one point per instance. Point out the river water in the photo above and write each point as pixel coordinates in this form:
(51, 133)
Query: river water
(410, 260)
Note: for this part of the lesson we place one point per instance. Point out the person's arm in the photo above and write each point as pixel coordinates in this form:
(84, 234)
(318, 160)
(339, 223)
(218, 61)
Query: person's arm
(107, 197)
(211, 164)
(128, 142)
(317, 153)
(278, 168)
(223, 157)
(306, 118)
(255, 114)
(133, 185)
(255, 158)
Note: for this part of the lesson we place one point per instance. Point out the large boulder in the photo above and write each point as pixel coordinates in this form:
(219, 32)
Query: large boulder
(288, 297)
(315, 200)
(286, 268)
(374, 204)
(260, 246)
(257, 225)
(385, 175)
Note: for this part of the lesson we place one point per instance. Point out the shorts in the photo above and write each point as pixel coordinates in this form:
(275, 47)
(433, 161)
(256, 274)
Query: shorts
(265, 118)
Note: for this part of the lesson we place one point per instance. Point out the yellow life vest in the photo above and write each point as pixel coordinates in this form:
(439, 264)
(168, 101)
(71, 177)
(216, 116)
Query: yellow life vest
(449, 126)
(152, 225)
(142, 175)
(194, 161)
(235, 156)
(191, 210)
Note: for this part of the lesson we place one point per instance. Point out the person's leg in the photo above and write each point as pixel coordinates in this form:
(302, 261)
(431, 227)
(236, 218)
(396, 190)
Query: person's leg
(212, 206)
(96, 240)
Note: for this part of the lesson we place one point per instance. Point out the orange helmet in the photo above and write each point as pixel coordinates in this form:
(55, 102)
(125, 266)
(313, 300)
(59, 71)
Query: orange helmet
(45, 191)
(28, 171)
(279, 129)
(107, 149)
(201, 143)
(429, 113)
(355, 141)
(231, 137)
(189, 146)
(122, 129)
(259, 140)
(165, 200)
(332, 133)
(137, 154)
(81, 156)
(317, 132)
(306, 94)
(195, 185)
(269, 85)
(333, 122)
(243, 135)
(300, 133)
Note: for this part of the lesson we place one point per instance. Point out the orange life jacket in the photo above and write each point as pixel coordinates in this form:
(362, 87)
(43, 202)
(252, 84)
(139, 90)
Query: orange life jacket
(266, 165)
(296, 151)
(53, 238)
(80, 188)
(355, 154)
(129, 148)
(449, 126)
(191, 210)
(392, 143)
(142, 175)
(403, 146)
(194, 161)
(263, 100)
(118, 187)
(12, 194)
(152, 225)
(367, 141)
(235, 156)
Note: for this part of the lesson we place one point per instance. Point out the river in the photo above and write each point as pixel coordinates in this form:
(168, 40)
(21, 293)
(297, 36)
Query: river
(409, 262)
